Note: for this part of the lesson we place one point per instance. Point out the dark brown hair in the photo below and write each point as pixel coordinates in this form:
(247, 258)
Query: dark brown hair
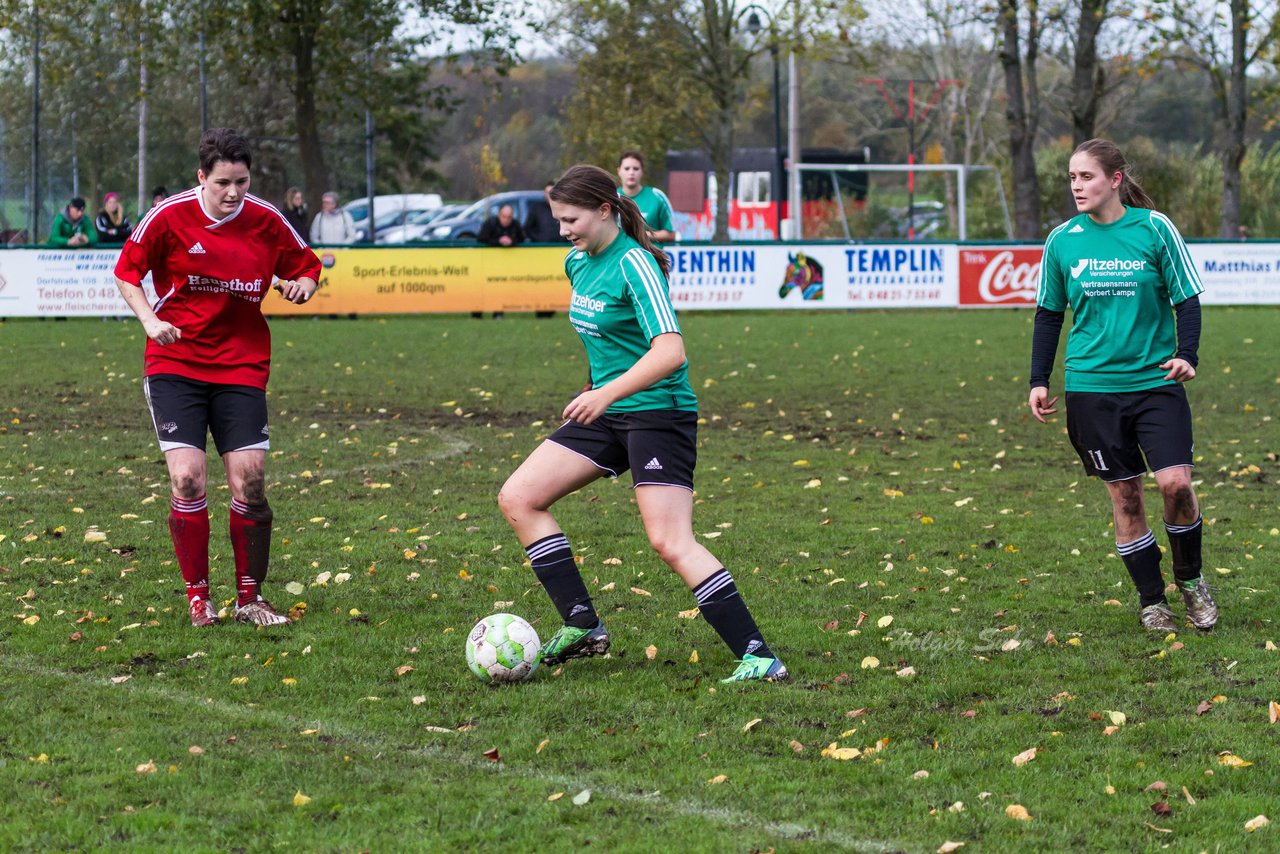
(592, 188)
(223, 144)
(632, 155)
(1112, 160)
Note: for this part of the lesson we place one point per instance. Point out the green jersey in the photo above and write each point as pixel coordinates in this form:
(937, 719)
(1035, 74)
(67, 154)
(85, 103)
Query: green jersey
(1120, 280)
(655, 207)
(619, 304)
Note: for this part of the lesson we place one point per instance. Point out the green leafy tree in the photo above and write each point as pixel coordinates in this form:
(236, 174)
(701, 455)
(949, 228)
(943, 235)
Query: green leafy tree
(1231, 41)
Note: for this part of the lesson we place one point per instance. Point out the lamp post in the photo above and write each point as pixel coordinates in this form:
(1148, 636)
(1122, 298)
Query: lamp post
(775, 175)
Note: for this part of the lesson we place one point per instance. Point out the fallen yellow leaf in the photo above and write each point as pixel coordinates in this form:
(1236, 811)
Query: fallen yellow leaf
(1025, 756)
(948, 847)
(1274, 709)
(651, 652)
(831, 751)
(870, 662)
(718, 779)
(148, 767)
(885, 621)
(693, 657)
(749, 725)
(1017, 812)
(1232, 761)
(541, 745)
(555, 796)
(300, 800)
(639, 591)
(1256, 823)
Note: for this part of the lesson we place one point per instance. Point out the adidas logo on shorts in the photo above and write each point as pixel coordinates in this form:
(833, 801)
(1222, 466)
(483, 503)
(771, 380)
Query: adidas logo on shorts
(653, 465)
(196, 250)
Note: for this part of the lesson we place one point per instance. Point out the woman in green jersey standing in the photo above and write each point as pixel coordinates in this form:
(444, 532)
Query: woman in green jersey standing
(638, 413)
(654, 205)
(1119, 265)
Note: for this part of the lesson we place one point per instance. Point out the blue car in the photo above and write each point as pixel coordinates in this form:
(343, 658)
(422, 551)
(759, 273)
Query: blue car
(466, 225)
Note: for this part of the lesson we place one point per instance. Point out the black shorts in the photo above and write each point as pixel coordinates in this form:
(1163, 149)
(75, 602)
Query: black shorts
(1113, 432)
(185, 411)
(660, 446)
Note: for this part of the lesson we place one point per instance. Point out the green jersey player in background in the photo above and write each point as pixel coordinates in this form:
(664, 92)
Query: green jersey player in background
(1120, 266)
(639, 413)
(654, 205)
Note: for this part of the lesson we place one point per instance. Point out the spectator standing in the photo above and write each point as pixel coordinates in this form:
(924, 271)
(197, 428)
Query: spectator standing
(70, 228)
(111, 223)
(158, 195)
(502, 230)
(540, 225)
(295, 210)
(333, 227)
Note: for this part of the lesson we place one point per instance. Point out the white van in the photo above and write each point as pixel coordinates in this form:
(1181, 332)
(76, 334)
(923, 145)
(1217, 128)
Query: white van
(389, 210)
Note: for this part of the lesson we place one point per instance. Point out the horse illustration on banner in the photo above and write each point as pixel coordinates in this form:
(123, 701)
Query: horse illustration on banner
(805, 274)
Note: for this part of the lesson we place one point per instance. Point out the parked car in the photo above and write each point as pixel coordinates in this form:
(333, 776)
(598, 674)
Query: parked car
(384, 205)
(416, 227)
(466, 225)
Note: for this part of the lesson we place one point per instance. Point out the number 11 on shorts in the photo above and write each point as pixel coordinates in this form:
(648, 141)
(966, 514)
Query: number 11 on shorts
(1098, 462)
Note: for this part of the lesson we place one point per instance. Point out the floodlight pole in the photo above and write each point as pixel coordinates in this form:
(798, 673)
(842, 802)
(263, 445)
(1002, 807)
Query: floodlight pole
(777, 173)
(910, 119)
(34, 212)
(794, 194)
(368, 154)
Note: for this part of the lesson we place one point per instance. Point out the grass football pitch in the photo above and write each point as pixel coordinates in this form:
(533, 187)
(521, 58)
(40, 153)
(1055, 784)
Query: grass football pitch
(929, 562)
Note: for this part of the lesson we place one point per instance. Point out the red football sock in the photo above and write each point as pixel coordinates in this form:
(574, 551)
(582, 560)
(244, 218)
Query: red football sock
(251, 545)
(189, 528)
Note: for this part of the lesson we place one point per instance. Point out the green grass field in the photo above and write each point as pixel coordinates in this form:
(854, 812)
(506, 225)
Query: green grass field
(872, 479)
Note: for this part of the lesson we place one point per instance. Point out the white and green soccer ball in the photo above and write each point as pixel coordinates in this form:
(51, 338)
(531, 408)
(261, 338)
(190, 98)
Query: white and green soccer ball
(502, 648)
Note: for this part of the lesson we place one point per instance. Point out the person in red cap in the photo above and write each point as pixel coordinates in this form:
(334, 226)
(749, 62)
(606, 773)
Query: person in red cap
(111, 223)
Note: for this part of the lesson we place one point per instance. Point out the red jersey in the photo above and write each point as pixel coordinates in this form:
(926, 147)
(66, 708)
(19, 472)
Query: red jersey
(210, 278)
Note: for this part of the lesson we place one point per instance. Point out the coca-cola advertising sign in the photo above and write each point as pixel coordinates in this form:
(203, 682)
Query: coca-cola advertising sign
(999, 275)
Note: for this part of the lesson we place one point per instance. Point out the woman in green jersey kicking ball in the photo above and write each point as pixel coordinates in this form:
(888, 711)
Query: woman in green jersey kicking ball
(1119, 265)
(638, 413)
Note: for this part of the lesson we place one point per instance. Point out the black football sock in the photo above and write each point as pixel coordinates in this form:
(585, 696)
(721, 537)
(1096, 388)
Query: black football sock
(1184, 545)
(1142, 559)
(722, 605)
(553, 563)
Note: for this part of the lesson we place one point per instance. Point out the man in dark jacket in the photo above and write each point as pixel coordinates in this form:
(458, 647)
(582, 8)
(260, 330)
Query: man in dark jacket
(502, 230)
(540, 226)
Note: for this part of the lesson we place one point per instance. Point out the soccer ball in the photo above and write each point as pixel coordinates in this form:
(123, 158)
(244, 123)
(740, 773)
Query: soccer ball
(502, 648)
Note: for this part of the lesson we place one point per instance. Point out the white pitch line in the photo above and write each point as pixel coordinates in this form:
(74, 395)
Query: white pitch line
(792, 831)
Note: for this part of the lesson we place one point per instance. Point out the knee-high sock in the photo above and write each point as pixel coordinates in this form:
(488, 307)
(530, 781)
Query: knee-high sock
(189, 528)
(1142, 559)
(721, 603)
(553, 564)
(1184, 544)
(251, 546)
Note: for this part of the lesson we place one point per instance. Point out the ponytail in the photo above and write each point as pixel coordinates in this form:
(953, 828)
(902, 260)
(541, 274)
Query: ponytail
(592, 188)
(1112, 160)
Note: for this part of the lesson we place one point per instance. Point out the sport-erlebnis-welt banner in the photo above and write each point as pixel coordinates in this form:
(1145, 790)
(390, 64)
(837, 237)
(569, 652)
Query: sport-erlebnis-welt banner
(424, 280)
(82, 283)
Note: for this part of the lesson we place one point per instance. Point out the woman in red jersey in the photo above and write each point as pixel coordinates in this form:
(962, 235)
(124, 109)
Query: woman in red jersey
(212, 252)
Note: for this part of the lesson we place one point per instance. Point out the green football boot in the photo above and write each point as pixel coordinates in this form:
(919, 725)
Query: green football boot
(572, 642)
